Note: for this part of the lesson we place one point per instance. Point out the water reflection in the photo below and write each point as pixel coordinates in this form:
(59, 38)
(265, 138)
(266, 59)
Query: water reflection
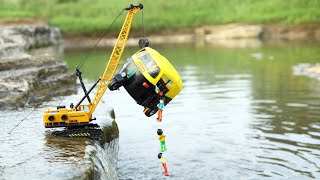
(283, 107)
(31, 152)
(284, 133)
(68, 155)
(62, 149)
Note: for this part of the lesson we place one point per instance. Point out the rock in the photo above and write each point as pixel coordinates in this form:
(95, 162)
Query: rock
(24, 74)
(72, 158)
(235, 43)
(230, 35)
(252, 36)
(98, 158)
(314, 69)
(109, 151)
(31, 64)
(305, 32)
(317, 34)
(229, 31)
(233, 31)
(309, 70)
(33, 36)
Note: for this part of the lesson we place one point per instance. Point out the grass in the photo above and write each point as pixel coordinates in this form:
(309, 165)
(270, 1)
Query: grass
(89, 17)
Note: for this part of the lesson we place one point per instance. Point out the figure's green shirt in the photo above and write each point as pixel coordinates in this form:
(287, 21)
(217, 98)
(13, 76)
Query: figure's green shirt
(162, 138)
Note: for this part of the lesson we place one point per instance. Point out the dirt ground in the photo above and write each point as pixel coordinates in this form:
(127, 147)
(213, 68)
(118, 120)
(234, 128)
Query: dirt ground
(20, 22)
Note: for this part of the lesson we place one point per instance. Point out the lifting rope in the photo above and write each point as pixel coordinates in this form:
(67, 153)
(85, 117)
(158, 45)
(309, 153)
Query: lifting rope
(35, 108)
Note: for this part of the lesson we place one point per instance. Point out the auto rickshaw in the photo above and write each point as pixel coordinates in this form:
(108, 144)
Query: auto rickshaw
(142, 74)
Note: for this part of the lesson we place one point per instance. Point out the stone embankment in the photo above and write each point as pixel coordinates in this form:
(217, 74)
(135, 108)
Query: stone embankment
(31, 68)
(31, 64)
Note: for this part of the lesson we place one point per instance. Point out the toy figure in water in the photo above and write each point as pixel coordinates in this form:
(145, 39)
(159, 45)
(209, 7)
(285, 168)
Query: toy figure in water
(164, 165)
(160, 109)
(162, 139)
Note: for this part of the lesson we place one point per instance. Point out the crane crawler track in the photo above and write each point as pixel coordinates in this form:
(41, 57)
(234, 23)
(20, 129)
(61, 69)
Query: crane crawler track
(91, 132)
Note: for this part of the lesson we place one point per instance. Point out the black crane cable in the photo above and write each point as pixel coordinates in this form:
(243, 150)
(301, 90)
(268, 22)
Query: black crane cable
(79, 66)
(47, 97)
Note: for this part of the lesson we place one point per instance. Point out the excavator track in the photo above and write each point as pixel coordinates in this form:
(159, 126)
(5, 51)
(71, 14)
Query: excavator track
(91, 131)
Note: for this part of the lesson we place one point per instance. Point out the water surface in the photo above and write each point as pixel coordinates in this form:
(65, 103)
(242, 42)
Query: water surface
(241, 115)
(31, 152)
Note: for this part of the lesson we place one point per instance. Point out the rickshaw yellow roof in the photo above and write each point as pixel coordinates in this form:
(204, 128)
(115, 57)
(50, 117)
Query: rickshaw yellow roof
(165, 66)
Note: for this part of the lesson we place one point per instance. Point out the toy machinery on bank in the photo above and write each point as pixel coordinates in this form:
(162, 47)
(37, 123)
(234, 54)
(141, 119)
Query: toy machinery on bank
(142, 75)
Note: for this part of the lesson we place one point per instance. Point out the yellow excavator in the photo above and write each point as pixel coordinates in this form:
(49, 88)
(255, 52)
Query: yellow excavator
(80, 115)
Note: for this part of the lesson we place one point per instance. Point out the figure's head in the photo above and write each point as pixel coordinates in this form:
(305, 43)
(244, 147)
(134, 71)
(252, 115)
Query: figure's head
(159, 132)
(159, 155)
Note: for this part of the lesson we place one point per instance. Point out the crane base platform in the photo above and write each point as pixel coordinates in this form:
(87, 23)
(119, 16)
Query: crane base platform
(91, 131)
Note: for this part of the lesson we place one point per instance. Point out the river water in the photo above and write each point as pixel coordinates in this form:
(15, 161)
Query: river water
(241, 115)
(30, 151)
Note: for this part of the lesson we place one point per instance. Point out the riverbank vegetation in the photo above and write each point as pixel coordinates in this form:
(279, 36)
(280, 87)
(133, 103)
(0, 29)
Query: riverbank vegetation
(88, 17)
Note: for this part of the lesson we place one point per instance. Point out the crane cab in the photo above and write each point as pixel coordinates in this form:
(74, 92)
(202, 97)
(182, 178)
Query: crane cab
(142, 74)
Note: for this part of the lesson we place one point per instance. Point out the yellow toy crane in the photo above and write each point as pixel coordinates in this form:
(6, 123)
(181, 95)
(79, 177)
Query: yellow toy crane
(81, 114)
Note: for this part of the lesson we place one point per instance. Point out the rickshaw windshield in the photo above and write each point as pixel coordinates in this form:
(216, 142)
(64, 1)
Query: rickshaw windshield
(150, 65)
(129, 67)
